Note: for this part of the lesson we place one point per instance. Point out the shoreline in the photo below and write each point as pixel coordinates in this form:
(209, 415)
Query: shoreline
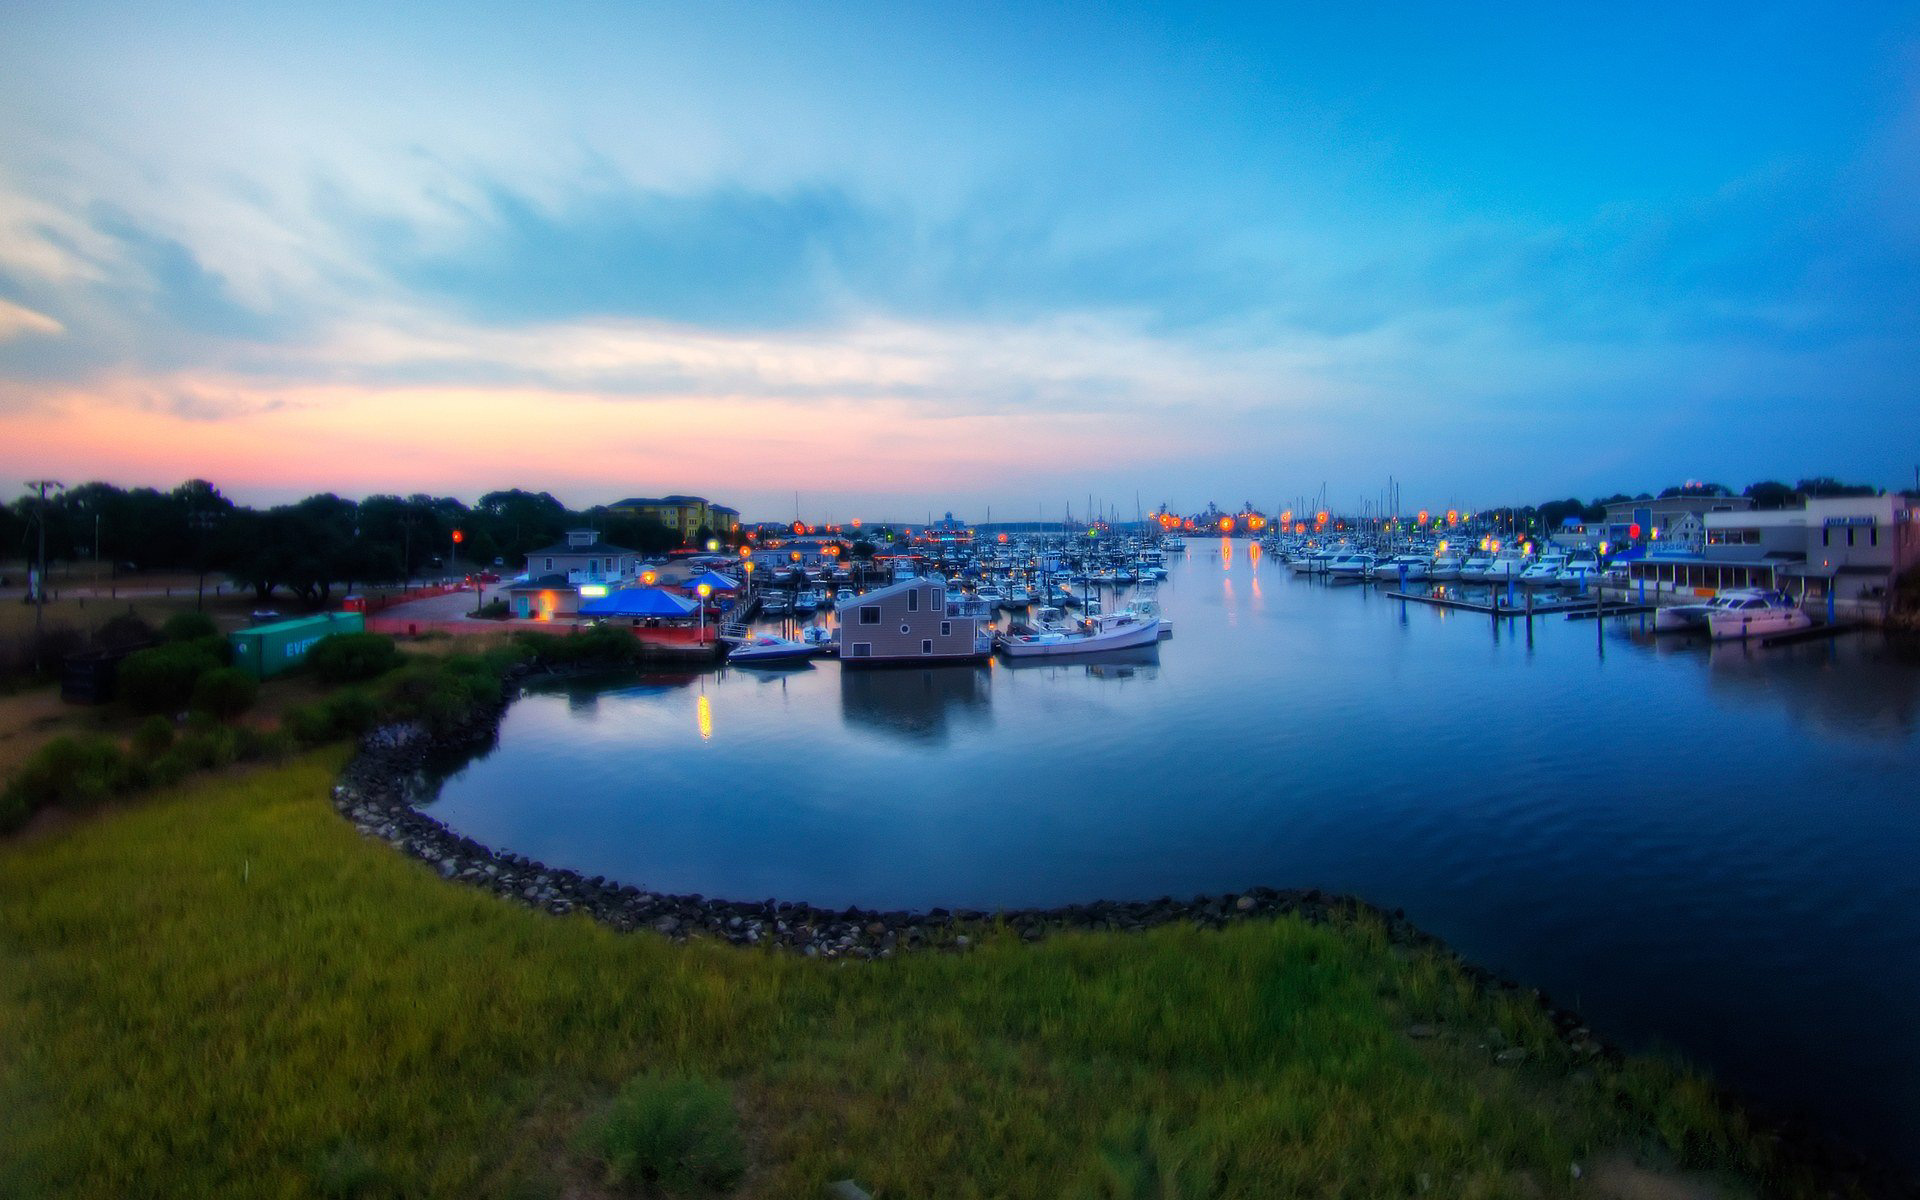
(378, 789)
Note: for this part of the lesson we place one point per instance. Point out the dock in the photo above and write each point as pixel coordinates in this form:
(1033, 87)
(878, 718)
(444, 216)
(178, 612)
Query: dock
(1573, 609)
(1814, 633)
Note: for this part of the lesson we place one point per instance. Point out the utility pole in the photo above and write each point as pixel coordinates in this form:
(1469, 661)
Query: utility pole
(40, 581)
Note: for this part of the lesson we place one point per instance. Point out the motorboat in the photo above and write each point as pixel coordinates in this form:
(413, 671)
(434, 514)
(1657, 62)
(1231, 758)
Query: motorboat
(821, 638)
(1147, 608)
(1543, 572)
(1503, 567)
(1475, 568)
(1580, 573)
(1106, 631)
(758, 648)
(990, 595)
(1413, 568)
(1444, 568)
(1350, 564)
(1750, 612)
(1017, 597)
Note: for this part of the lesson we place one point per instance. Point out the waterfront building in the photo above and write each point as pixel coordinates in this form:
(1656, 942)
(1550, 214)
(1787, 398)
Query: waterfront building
(559, 576)
(912, 622)
(1847, 549)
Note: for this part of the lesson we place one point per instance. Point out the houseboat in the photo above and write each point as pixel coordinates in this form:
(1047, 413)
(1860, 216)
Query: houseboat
(912, 621)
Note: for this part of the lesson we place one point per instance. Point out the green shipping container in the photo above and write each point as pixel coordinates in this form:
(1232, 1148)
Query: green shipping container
(267, 650)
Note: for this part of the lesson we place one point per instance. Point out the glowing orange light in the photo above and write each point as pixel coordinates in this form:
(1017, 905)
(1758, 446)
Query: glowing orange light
(1321, 517)
(1423, 516)
(1299, 526)
(1633, 531)
(796, 556)
(746, 552)
(703, 717)
(799, 527)
(1453, 516)
(1003, 538)
(856, 522)
(647, 577)
(458, 537)
(1256, 522)
(1286, 517)
(1226, 524)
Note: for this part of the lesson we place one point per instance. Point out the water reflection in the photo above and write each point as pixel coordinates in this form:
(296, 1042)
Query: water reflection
(920, 704)
(1142, 662)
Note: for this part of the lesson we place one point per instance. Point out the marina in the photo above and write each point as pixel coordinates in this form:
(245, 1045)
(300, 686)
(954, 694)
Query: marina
(1701, 845)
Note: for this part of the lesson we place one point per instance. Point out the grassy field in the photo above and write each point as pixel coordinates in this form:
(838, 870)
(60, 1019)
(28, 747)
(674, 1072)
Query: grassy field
(223, 990)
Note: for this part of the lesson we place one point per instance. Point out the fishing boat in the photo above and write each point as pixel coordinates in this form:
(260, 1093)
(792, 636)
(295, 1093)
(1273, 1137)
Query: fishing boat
(1108, 631)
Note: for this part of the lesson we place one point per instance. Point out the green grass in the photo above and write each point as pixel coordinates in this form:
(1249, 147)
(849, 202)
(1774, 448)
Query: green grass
(226, 991)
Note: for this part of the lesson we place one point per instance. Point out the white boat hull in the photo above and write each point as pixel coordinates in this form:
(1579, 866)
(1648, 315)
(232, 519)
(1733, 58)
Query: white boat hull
(1120, 637)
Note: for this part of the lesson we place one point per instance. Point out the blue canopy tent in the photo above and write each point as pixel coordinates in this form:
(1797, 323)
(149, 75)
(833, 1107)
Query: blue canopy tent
(638, 602)
(714, 580)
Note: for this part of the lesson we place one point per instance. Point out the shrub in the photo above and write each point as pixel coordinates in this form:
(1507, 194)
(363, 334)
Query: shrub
(673, 1133)
(71, 770)
(124, 632)
(431, 694)
(161, 680)
(493, 610)
(153, 738)
(13, 811)
(189, 627)
(204, 749)
(258, 745)
(350, 657)
(225, 692)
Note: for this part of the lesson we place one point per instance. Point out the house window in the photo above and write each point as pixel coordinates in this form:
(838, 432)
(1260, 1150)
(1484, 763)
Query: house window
(913, 600)
(1873, 535)
(946, 629)
(549, 564)
(869, 614)
(926, 647)
(862, 650)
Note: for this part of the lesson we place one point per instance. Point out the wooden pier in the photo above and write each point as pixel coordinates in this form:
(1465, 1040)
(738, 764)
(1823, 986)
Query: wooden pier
(1573, 609)
(1814, 633)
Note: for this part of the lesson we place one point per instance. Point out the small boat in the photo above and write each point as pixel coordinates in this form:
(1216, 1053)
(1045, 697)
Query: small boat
(808, 601)
(1353, 564)
(1018, 597)
(761, 648)
(1445, 567)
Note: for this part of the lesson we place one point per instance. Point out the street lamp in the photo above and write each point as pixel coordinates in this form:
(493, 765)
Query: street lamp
(705, 590)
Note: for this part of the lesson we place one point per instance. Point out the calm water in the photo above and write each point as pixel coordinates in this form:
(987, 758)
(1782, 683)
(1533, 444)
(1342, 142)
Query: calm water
(1714, 850)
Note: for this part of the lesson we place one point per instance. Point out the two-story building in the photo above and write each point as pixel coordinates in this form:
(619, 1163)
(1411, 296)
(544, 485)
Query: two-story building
(559, 576)
(911, 622)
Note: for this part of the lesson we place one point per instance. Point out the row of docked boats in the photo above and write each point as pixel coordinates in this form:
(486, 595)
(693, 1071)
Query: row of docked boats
(1553, 569)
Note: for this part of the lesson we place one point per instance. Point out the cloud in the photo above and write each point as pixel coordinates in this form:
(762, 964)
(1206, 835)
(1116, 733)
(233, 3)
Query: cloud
(16, 322)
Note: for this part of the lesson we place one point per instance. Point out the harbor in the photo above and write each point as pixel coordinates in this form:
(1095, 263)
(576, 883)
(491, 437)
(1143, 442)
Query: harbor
(1538, 802)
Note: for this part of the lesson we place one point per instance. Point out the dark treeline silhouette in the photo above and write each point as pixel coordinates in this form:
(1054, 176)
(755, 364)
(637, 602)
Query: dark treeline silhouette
(310, 547)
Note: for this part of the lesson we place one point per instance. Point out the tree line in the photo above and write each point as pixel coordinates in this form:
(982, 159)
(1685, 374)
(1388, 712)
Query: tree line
(308, 547)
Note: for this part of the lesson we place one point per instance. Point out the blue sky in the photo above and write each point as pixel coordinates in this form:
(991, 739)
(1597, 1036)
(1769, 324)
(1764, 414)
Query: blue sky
(906, 257)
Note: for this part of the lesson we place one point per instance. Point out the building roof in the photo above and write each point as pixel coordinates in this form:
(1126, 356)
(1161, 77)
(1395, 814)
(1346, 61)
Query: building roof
(595, 547)
(544, 583)
(656, 501)
(899, 585)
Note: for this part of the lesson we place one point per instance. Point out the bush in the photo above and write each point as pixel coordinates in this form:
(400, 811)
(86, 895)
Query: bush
(124, 632)
(351, 657)
(493, 610)
(189, 627)
(203, 750)
(161, 680)
(70, 771)
(13, 811)
(225, 692)
(344, 714)
(270, 745)
(440, 696)
(672, 1133)
(153, 738)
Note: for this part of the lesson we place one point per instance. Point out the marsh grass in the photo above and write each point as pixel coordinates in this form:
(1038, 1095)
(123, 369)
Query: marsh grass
(226, 991)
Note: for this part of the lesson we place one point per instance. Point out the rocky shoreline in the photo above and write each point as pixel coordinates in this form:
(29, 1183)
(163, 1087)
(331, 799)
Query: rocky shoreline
(379, 789)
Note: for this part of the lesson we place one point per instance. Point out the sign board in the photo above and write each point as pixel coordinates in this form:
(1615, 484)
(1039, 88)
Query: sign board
(1850, 522)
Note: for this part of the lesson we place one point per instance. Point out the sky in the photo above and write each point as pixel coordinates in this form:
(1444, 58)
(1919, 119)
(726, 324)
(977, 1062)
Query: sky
(908, 258)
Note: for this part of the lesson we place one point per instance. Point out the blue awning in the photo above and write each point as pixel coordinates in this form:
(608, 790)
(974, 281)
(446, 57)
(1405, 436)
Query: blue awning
(638, 602)
(714, 580)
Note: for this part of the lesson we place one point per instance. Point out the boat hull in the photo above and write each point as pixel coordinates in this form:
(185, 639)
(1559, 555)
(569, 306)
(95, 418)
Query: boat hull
(1142, 633)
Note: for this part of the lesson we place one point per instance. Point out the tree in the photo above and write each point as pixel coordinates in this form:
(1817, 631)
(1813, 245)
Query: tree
(1827, 486)
(517, 522)
(1771, 494)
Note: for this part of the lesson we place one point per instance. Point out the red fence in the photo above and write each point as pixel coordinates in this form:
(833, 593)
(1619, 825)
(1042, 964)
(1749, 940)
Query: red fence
(373, 604)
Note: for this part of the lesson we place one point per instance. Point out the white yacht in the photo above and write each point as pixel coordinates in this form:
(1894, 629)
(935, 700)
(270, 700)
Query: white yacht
(1349, 564)
(1476, 566)
(1445, 568)
(1504, 566)
(1544, 571)
(1750, 612)
(1414, 568)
